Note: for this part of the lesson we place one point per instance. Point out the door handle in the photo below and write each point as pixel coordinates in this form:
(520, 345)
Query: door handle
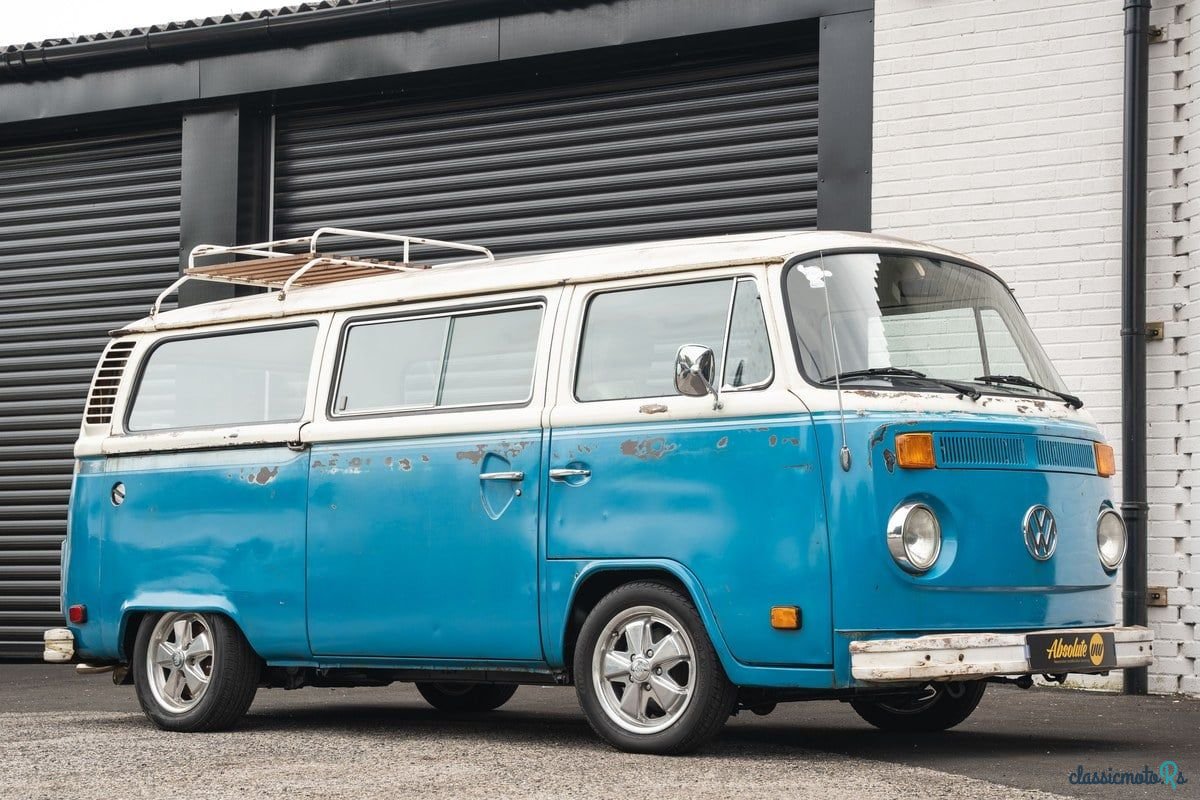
(563, 473)
(515, 477)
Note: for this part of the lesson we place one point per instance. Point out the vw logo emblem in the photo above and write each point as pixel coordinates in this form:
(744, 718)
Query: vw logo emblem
(1041, 532)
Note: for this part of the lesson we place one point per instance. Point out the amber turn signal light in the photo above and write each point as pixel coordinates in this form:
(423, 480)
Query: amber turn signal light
(1106, 462)
(785, 618)
(915, 451)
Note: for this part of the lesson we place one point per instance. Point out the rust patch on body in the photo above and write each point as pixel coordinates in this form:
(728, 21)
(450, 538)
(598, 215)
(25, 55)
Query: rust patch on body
(648, 449)
(773, 440)
(263, 476)
(722, 443)
(404, 464)
(387, 462)
(424, 459)
(792, 440)
(889, 460)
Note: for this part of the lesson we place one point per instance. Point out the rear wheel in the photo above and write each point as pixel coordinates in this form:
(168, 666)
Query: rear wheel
(940, 707)
(467, 696)
(646, 673)
(193, 671)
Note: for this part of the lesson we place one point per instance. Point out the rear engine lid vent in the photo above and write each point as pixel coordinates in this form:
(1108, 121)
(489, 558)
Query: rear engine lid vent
(103, 395)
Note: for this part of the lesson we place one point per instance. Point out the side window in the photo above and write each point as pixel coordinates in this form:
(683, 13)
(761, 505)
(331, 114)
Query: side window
(748, 361)
(393, 364)
(225, 379)
(469, 359)
(631, 336)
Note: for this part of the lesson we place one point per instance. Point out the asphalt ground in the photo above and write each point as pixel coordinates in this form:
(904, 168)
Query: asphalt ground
(69, 736)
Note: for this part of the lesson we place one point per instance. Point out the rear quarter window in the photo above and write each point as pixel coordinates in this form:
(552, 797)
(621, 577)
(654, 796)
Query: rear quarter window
(224, 379)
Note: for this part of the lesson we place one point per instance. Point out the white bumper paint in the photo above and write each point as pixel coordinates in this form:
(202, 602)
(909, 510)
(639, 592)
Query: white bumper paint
(957, 656)
(59, 645)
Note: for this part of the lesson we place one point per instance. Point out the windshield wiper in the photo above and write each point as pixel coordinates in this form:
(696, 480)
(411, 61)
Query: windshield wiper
(905, 374)
(1019, 380)
(871, 372)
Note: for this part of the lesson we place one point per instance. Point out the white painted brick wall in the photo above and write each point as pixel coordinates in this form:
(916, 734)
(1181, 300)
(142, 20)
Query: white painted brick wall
(998, 134)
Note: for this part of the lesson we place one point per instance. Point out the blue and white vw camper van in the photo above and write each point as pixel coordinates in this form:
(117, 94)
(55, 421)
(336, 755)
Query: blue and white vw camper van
(687, 477)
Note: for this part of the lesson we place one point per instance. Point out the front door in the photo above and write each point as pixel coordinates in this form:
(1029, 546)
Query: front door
(423, 500)
(730, 494)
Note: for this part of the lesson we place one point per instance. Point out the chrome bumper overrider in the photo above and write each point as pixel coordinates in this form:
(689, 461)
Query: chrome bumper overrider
(956, 656)
(59, 645)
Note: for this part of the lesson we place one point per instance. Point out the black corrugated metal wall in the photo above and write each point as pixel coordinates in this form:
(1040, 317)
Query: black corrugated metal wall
(89, 234)
(626, 147)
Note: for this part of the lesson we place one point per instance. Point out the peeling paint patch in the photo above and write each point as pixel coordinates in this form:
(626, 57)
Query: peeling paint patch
(474, 456)
(648, 449)
(404, 464)
(773, 440)
(508, 449)
(722, 443)
(264, 476)
(889, 460)
(801, 467)
(424, 459)
(793, 441)
(387, 462)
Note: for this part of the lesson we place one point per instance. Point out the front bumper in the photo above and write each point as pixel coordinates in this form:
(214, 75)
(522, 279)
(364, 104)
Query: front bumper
(59, 646)
(959, 656)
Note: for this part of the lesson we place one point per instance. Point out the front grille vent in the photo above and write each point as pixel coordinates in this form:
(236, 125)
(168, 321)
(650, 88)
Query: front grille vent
(103, 396)
(1059, 453)
(958, 450)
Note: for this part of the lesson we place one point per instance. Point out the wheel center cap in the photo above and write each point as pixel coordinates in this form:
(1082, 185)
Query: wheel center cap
(639, 669)
(177, 659)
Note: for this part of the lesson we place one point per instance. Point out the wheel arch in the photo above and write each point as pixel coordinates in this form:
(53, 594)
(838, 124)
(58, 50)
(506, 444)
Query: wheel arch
(597, 579)
(137, 609)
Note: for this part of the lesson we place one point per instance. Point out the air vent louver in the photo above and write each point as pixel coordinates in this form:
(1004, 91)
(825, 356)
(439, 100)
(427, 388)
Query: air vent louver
(980, 451)
(108, 379)
(1059, 453)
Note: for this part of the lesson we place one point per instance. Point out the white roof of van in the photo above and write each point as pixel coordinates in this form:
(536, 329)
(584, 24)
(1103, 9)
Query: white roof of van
(525, 272)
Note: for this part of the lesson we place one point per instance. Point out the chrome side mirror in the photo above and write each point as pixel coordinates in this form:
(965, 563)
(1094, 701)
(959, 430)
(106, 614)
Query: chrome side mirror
(695, 370)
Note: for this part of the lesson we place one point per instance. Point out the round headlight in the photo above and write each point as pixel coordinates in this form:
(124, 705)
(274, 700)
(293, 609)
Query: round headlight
(1110, 538)
(914, 537)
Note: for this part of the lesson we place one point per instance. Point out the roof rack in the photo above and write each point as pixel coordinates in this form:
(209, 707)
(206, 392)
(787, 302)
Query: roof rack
(282, 270)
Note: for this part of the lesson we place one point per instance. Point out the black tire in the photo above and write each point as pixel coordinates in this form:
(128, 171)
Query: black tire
(712, 695)
(234, 671)
(467, 696)
(950, 704)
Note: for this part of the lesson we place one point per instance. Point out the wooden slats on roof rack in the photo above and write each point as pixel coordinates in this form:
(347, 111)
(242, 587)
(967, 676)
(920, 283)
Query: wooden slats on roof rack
(274, 271)
(104, 388)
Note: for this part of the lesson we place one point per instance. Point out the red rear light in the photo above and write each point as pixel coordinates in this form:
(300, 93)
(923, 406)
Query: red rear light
(77, 614)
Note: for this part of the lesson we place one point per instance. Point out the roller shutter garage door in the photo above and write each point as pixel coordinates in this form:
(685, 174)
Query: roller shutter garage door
(633, 144)
(89, 234)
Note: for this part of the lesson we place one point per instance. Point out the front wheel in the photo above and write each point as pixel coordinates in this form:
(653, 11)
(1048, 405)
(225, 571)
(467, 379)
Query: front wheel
(940, 707)
(193, 671)
(646, 673)
(466, 696)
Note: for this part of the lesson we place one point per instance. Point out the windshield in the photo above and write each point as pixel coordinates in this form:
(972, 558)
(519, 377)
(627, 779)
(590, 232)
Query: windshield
(906, 312)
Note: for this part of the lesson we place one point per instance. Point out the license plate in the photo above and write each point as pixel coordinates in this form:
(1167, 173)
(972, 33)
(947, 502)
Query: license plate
(1071, 652)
